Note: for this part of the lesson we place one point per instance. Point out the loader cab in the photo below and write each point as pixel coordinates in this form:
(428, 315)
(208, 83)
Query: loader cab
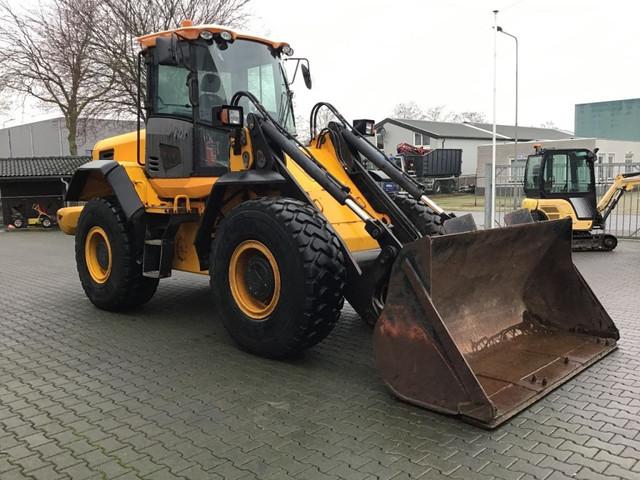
(563, 174)
(186, 80)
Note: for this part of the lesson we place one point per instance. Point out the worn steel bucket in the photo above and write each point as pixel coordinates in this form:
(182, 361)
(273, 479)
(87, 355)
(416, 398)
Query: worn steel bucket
(482, 324)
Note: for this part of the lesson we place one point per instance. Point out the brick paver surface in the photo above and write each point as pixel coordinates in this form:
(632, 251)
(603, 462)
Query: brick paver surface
(163, 393)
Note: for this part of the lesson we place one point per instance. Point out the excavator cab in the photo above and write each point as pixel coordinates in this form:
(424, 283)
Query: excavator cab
(561, 183)
(564, 175)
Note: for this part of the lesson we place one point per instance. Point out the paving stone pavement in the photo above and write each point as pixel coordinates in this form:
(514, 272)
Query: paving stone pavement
(162, 392)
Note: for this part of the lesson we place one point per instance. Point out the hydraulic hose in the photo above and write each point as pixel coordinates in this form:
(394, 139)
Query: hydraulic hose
(376, 157)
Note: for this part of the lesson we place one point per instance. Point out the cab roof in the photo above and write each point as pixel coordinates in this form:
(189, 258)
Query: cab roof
(191, 32)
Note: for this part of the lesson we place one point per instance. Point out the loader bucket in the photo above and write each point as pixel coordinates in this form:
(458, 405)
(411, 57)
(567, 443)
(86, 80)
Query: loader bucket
(482, 324)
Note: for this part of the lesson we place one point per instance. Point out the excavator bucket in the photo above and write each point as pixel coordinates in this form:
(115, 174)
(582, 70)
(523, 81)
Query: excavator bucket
(482, 324)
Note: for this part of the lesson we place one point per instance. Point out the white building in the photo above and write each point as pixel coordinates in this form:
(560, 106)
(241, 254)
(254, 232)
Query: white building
(465, 136)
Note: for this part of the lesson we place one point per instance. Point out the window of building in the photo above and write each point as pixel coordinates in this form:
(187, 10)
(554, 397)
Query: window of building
(628, 160)
(379, 141)
(420, 140)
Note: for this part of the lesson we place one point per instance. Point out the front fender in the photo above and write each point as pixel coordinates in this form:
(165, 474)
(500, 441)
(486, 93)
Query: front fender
(100, 178)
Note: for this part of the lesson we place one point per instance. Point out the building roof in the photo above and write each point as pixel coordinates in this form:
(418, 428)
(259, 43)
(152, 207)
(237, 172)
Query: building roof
(525, 133)
(479, 131)
(39, 167)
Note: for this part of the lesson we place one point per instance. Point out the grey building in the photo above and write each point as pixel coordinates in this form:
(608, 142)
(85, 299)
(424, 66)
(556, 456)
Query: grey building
(614, 120)
(48, 138)
(465, 136)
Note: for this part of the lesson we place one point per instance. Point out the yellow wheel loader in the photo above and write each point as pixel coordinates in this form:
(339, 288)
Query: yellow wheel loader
(562, 184)
(472, 323)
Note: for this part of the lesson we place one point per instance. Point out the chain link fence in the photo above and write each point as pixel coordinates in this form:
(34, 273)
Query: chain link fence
(624, 221)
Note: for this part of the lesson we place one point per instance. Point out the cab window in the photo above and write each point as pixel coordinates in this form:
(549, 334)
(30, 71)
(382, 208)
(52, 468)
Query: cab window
(532, 176)
(567, 173)
(172, 95)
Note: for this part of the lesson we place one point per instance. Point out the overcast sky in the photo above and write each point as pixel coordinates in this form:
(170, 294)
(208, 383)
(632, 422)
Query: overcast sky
(368, 55)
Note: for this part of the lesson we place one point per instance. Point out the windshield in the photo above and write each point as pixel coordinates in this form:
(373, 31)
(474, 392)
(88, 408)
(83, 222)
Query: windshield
(243, 66)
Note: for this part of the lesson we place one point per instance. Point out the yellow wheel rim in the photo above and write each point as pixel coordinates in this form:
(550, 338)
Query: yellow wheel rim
(97, 253)
(254, 278)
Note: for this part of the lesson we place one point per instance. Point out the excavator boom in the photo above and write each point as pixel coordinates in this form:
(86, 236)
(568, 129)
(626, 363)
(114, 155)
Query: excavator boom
(625, 182)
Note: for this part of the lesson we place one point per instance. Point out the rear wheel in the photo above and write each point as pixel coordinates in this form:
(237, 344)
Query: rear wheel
(423, 218)
(277, 276)
(108, 259)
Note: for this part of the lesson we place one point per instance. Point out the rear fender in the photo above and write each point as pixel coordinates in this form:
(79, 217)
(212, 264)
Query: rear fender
(101, 178)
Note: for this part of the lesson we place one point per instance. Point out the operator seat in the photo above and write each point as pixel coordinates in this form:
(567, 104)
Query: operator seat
(210, 97)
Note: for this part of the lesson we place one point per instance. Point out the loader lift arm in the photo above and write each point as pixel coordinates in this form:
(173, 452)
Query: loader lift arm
(359, 145)
(623, 183)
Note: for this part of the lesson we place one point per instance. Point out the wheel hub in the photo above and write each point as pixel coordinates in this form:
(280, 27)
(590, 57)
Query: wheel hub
(97, 254)
(259, 278)
(254, 279)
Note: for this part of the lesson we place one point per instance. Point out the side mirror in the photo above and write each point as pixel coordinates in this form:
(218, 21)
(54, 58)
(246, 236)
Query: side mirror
(306, 75)
(169, 51)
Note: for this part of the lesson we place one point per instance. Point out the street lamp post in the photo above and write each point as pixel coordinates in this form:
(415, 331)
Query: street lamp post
(493, 137)
(515, 158)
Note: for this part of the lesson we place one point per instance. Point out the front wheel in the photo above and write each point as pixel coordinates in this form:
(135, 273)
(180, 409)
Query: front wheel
(108, 258)
(277, 276)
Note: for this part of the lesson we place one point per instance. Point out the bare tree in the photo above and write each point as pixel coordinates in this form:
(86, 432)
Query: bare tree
(408, 111)
(548, 124)
(437, 114)
(124, 20)
(46, 54)
(471, 117)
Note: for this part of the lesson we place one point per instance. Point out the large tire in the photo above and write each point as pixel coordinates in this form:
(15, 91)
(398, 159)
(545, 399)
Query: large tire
(423, 218)
(108, 260)
(299, 287)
